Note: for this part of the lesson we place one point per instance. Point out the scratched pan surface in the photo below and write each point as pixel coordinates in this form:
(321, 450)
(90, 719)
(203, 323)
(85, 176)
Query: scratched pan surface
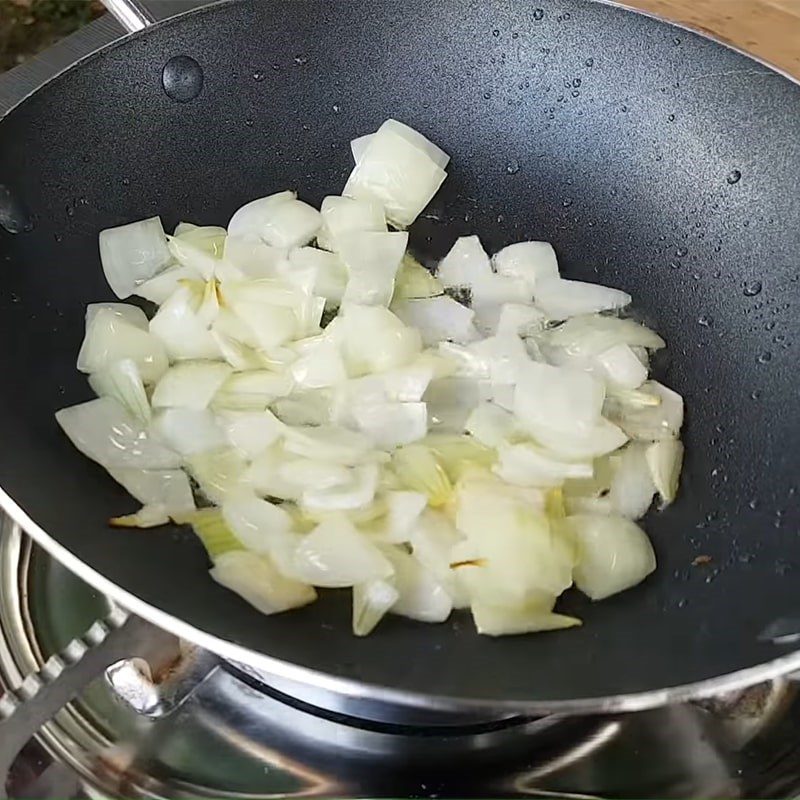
(655, 161)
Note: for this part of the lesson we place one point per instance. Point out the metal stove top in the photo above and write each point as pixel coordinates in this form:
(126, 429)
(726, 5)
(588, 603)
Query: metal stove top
(185, 724)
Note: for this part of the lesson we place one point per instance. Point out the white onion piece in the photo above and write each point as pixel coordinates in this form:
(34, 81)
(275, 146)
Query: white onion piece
(130, 313)
(588, 335)
(593, 442)
(309, 473)
(560, 299)
(336, 555)
(252, 391)
(191, 255)
(490, 424)
(549, 400)
(493, 291)
(664, 460)
(168, 488)
(260, 526)
(291, 224)
(621, 367)
(133, 253)
(343, 215)
(359, 145)
(413, 281)
(438, 318)
(304, 408)
(450, 401)
(397, 174)
(123, 381)
(391, 424)
(188, 430)
(531, 262)
(252, 257)
(220, 474)
(372, 260)
(632, 488)
(503, 357)
(466, 264)
(329, 270)
(662, 421)
(421, 595)
(161, 287)
(371, 601)
(527, 465)
(210, 238)
(111, 338)
(375, 340)
(403, 510)
(330, 443)
(238, 355)
(358, 492)
(431, 149)
(252, 432)
(321, 367)
(105, 432)
(271, 326)
(256, 579)
(148, 516)
(614, 554)
(264, 475)
(190, 384)
(249, 220)
(181, 331)
(518, 319)
(498, 620)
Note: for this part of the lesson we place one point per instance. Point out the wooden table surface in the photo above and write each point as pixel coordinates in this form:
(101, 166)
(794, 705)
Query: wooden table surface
(769, 29)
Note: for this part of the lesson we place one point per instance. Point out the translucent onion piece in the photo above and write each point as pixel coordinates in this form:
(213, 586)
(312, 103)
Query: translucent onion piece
(133, 253)
(188, 430)
(417, 469)
(260, 526)
(620, 367)
(250, 219)
(256, 579)
(632, 488)
(519, 319)
(319, 368)
(168, 488)
(290, 224)
(272, 326)
(190, 384)
(252, 257)
(664, 460)
(587, 336)
(336, 555)
(213, 532)
(253, 390)
(457, 453)
(496, 620)
(403, 509)
(330, 443)
(413, 281)
(210, 238)
(264, 475)
(490, 293)
(432, 540)
(183, 333)
(309, 474)
(431, 149)
(126, 311)
(303, 408)
(148, 516)
(111, 337)
(466, 264)
(602, 438)
(527, 465)
(438, 318)
(421, 595)
(105, 432)
(375, 340)
(123, 381)
(343, 215)
(372, 260)
(192, 255)
(391, 424)
(614, 554)
(371, 601)
(503, 357)
(397, 174)
(238, 355)
(560, 299)
(358, 492)
(662, 421)
(548, 400)
(252, 432)
(220, 474)
(490, 424)
(359, 145)
(450, 401)
(531, 262)
(330, 272)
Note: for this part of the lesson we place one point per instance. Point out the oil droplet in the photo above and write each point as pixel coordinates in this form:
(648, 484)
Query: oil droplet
(624, 109)
(671, 118)
(259, 75)
(300, 61)
(487, 95)
(70, 211)
(515, 36)
(335, 109)
(58, 237)
(512, 168)
(575, 93)
(753, 504)
(566, 202)
(755, 395)
(681, 251)
(126, 181)
(589, 62)
(752, 288)
(676, 41)
(576, 82)
(734, 176)
(495, 33)
(182, 79)
(765, 357)
(705, 320)
(682, 603)
(770, 325)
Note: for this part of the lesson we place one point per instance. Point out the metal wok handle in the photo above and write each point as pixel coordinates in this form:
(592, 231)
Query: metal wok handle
(131, 14)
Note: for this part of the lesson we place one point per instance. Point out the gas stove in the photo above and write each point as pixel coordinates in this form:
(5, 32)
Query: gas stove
(183, 723)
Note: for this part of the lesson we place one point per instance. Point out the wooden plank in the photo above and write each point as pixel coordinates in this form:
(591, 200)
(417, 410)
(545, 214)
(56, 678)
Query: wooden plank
(767, 29)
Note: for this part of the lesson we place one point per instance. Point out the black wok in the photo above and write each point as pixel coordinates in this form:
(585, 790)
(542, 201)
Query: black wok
(655, 160)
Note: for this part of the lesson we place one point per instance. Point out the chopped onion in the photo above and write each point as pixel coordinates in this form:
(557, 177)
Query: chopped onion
(372, 260)
(250, 219)
(662, 421)
(458, 454)
(260, 526)
(252, 257)
(253, 390)
(292, 223)
(330, 272)
(417, 469)
(431, 149)
(465, 265)
(403, 510)
(421, 595)
(432, 541)
(371, 601)
(132, 314)
(123, 381)
(111, 337)
(614, 554)
(414, 282)
(593, 442)
(532, 262)
(330, 443)
(397, 174)
(188, 430)
(527, 465)
(560, 299)
(358, 492)
(632, 489)
(375, 340)
(589, 335)
(621, 367)
(490, 424)
(183, 333)
(304, 408)
(148, 516)
(133, 253)
(213, 532)
(323, 366)
(219, 473)
(496, 620)
(191, 255)
(336, 555)
(344, 215)
(450, 401)
(190, 384)
(518, 319)
(255, 579)
(391, 424)
(105, 432)
(664, 460)
(167, 488)
(438, 318)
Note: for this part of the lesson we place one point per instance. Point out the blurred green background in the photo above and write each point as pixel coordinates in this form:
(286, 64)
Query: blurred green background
(28, 26)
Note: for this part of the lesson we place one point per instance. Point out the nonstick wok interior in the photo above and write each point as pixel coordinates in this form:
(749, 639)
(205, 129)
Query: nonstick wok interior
(655, 161)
